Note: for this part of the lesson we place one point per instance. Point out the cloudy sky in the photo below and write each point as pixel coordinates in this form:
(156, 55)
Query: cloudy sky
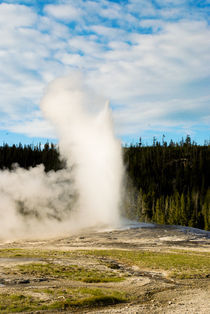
(150, 58)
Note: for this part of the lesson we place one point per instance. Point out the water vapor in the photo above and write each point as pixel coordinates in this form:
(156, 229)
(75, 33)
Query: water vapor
(88, 191)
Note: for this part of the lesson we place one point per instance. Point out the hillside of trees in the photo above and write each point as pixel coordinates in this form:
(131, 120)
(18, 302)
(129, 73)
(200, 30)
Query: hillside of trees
(169, 184)
(165, 183)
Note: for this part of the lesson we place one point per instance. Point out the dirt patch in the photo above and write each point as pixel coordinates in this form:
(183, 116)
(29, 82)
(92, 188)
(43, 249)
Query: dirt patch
(156, 269)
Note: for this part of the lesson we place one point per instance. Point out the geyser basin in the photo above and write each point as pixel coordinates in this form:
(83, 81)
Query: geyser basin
(88, 192)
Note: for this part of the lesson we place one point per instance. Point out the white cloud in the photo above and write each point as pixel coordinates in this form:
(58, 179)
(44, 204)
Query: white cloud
(145, 63)
(24, 16)
(65, 12)
(142, 8)
(156, 115)
(26, 62)
(34, 128)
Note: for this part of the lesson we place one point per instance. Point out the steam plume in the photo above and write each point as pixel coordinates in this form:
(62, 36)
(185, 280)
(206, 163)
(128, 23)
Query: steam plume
(88, 191)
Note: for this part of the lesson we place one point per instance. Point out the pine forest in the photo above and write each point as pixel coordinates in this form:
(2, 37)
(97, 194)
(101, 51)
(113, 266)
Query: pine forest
(165, 183)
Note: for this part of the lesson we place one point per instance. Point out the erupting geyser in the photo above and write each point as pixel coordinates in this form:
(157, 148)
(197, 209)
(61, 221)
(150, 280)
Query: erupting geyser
(86, 193)
(84, 125)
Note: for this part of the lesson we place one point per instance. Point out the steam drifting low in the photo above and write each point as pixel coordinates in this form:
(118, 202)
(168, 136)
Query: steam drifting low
(88, 191)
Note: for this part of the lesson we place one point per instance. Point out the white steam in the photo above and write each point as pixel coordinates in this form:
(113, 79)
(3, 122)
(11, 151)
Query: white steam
(86, 193)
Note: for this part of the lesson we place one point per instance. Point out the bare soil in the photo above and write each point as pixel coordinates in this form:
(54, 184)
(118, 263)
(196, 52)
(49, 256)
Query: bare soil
(150, 290)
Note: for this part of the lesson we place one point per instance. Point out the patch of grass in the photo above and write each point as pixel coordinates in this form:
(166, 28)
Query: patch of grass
(75, 297)
(85, 297)
(190, 252)
(35, 253)
(18, 303)
(178, 265)
(8, 253)
(72, 272)
(95, 301)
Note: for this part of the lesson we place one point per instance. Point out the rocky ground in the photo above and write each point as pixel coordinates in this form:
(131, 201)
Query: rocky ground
(147, 268)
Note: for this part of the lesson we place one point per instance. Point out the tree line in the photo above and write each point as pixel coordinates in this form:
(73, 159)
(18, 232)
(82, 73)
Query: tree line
(165, 183)
(30, 155)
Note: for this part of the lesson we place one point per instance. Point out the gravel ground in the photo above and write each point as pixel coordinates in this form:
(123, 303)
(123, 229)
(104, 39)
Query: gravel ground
(154, 292)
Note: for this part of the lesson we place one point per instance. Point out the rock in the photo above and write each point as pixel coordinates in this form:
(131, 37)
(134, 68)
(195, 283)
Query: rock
(23, 281)
(114, 266)
(41, 279)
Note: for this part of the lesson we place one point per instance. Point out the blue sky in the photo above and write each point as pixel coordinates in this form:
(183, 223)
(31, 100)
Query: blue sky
(150, 58)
